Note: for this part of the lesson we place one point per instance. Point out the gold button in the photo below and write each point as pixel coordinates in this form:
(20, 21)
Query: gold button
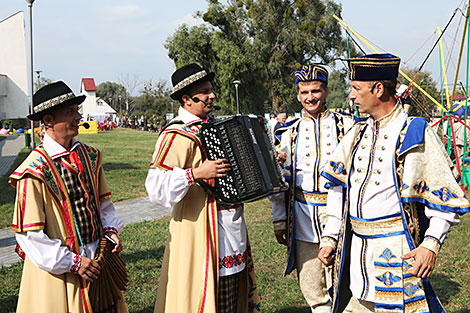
(359, 170)
(308, 154)
(357, 181)
(366, 136)
(327, 135)
(327, 127)
(308, 164)
(307, 138)
(328, 144)
(307, 146)
(328, 153)
(363, 147)
(359, 158)
(383, 148)
(307, 129)
(379, 172)
(380, 159)
(377, 183)
(385, 137)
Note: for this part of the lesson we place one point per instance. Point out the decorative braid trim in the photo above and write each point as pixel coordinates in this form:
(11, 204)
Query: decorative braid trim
(189, 176)
(328, 242)
(111, 229)
(77, 261)
(189, 80)
(53, 102)
(280, 225)
(431, 243)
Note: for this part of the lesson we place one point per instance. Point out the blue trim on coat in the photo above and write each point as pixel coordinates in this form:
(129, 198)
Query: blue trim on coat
(333, 180)
(444, 208)
(414, 135)
(375, 218)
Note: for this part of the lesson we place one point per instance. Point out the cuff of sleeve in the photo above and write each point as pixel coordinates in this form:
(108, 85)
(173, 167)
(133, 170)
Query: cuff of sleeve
(189, 176)
(280, 225)
(111, 229)
(328, 242)
(77, 261)
(431, 243)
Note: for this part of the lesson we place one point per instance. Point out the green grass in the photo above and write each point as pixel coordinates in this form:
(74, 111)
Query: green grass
(126, 157)
(145, 244)
(7, 198)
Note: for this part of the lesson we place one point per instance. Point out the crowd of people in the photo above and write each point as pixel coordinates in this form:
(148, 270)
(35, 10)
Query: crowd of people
(369, 203)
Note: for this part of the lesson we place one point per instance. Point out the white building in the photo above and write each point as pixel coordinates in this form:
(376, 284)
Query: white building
(14, 90)
(94, 108)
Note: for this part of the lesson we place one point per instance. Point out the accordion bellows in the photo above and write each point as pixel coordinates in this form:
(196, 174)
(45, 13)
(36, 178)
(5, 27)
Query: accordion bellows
(255, 172)
(106, 291)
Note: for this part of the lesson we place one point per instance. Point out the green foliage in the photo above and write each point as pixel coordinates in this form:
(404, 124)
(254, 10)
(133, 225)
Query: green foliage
(114, 94)
(421, 104)
(260, 43)
(339, 88)
(154, 98)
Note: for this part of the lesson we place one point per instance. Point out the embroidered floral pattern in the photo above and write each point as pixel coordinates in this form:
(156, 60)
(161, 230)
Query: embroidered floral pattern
(410, 289)
(406, 266)
(444, 194)
(421, 187)
(77, 260)
(230, 261)
(387, 255)
(189, 176)
(388, 279)
(338, 168)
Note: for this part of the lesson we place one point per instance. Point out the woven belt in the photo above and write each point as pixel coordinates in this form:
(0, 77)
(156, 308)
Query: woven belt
(387, 226)
(311, 198)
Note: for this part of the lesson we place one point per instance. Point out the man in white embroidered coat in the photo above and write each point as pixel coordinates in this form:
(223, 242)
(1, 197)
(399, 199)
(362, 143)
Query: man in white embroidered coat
(63, 208)
(391, 202)
(207, 263)
(299, 215)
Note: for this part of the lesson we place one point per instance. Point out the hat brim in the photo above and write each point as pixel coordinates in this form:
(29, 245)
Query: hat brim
(39, 115)
(178, 94)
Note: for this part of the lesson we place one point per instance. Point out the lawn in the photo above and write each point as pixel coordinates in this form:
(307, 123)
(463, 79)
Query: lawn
(145, 243)
(126, 156)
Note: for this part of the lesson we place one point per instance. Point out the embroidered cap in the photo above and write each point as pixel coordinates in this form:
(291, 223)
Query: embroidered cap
(372, 67)
(51, 97)
(186, 76)
(311, 72)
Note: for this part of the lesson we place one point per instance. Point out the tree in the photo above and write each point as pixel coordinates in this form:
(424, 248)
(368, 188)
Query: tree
(41, 82)
(260, 43)
(154, 99)
(113, 94)
(339, 88)
(422, 105)
(129, 83)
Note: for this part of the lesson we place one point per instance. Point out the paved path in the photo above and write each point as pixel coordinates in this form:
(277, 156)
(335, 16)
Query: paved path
(131, 211)
(9, 149)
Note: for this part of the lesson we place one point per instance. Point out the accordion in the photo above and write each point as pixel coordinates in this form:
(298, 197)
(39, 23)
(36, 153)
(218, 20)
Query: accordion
(243, 141)
(106, 291)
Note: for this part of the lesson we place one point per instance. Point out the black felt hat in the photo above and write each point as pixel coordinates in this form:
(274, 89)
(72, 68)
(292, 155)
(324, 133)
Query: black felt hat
(186, 76)
(51, 97)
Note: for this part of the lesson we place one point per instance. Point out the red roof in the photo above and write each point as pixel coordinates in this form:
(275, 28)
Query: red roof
(457, 97)
(89, 84)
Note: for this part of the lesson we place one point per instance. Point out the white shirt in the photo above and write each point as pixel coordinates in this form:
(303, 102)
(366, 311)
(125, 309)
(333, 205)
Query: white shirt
(48, 254)
(168, 187)
(373, 194)
(316, 141)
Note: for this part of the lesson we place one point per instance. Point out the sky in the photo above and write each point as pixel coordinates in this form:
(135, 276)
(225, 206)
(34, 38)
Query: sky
(111, 39)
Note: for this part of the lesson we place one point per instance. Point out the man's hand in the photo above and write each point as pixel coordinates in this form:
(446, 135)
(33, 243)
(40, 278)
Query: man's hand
(117, 240)
(425, 260)
(326, 255)
(89, 269)
(281, 157)
(281, 236)
(211, 169)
